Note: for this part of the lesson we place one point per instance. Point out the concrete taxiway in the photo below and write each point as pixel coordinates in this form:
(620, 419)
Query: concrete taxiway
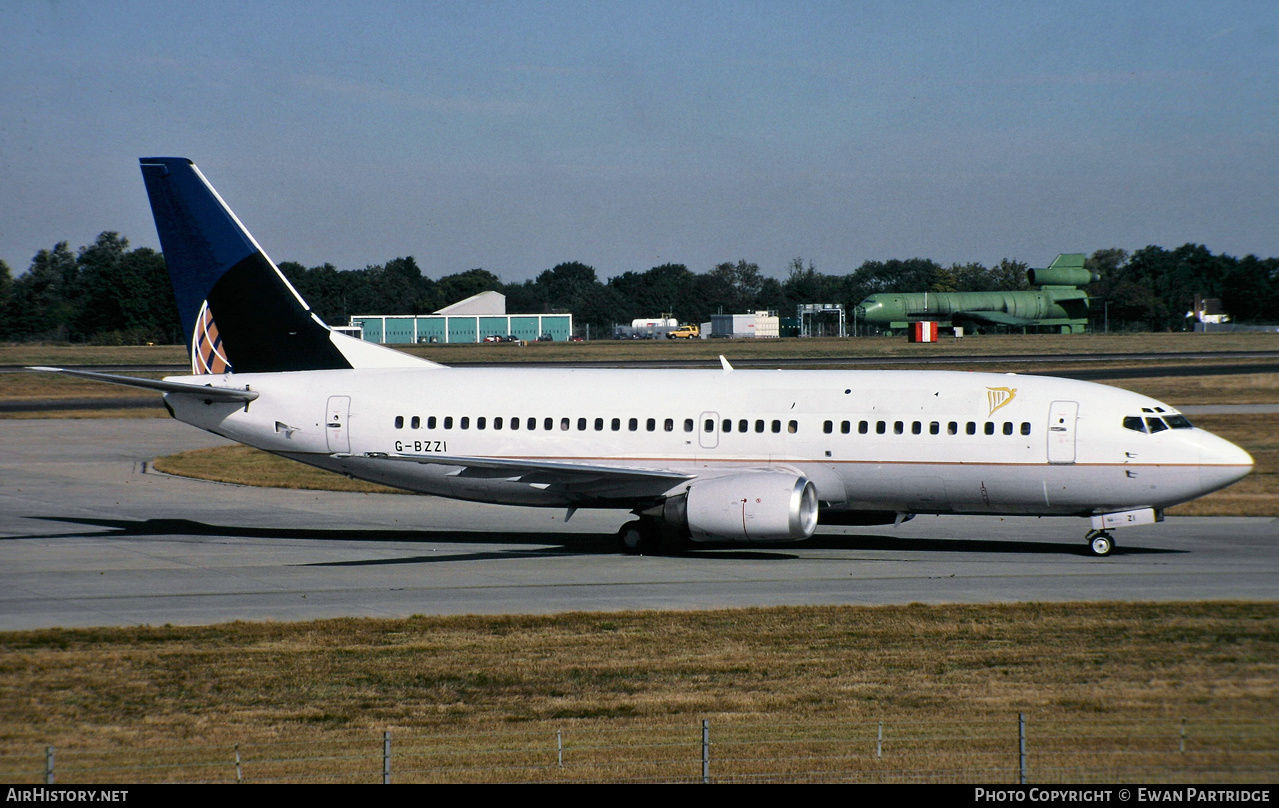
(89, 536)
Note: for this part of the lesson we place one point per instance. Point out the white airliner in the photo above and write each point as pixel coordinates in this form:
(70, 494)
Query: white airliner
(702, 456)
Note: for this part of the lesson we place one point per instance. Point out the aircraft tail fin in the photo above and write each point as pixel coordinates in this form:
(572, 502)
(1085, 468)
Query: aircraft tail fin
(238, 310)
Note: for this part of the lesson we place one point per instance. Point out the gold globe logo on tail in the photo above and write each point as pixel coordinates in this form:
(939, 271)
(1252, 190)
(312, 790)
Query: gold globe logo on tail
(998, 397)
(207, 356)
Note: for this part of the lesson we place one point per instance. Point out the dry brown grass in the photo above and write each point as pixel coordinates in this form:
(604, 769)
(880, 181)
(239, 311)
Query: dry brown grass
(57, 355)
(243, 465)
(1182, 391)
(953, 671)
(1258, 493)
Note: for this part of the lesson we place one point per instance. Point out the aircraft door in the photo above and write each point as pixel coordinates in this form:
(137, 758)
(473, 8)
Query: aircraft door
(708, 430)
(336, 428)
(1061, 431)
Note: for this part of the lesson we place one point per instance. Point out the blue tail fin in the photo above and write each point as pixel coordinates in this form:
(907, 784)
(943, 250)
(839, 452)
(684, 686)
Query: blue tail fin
(239, 312)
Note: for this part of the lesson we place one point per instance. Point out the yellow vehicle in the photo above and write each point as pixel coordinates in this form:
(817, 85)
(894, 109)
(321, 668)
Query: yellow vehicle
(684, 332)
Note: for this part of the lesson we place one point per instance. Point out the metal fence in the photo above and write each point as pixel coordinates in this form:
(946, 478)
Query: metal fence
(722, 750)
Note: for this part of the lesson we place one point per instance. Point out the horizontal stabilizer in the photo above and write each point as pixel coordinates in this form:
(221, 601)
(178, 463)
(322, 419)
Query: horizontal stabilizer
(202, 391)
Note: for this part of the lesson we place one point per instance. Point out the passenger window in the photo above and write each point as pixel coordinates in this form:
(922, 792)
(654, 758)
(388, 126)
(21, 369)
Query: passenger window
(845, 427)
(581, 424)
(669, 424)
(497, 422)
(898, 427)
(792, 427)
(430, 422)
(1134, 423)
(990, 427)
(828, 427)
(515, 423)
(548, 424)
(952, 428)
(399, 422)
(1008, 427)
(564, 422)
(777, 426)
(532, 424)
(650, 424)
(934, 428)
(465, 423)
(759, 426)
(415, 422)
(709, 426)
(688, 424)
(448, 422)
(743, 425)
(616, 424)
(971, 429)
(916, 428)
(863, 427)
(880, 427)
(480, 422)
(632, 424)
(599, 424)
(1025, 427)
(727, 425)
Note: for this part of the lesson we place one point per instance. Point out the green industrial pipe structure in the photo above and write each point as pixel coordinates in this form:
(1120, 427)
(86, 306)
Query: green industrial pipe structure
(1059, 304)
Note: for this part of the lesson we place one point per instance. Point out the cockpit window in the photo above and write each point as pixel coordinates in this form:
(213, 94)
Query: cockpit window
(1134, 423)
(1152, 424)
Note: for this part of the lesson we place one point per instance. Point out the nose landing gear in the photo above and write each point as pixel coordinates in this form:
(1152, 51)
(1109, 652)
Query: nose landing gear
(1100, 543)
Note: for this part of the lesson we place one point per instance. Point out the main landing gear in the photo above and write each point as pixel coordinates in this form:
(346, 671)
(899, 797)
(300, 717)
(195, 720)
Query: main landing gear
(1100, 543)
(640, 537)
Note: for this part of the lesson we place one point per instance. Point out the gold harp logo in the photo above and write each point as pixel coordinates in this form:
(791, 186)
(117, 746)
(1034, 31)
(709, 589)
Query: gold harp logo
(208, 356)
(998, 397)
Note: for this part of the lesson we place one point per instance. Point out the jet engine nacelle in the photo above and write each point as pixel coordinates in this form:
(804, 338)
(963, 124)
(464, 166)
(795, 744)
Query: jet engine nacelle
(760, 506)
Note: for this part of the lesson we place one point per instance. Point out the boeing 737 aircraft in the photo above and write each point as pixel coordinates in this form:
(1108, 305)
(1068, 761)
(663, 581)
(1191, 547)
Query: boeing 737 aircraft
(723, 455)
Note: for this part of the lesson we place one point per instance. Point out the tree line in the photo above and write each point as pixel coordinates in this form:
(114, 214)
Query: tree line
(106, 293)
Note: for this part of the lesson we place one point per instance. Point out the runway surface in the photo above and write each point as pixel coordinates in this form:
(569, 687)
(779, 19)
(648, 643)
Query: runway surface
(90, 537)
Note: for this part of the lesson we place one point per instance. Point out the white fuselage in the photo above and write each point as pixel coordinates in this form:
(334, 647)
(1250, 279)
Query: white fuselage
(906, 441)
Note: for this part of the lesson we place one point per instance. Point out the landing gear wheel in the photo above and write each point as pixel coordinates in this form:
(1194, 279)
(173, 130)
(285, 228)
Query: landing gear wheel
(639, 537)
(1100, 543)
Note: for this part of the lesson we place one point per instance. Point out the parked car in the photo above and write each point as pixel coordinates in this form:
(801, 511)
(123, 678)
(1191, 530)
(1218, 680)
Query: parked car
(544, 338)
(576, 338)
(492, 338)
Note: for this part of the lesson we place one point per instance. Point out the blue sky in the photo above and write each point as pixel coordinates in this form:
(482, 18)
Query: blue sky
(515, 136)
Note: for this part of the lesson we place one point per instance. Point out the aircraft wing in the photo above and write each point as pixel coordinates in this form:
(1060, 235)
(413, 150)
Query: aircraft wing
(582, 479)
(202, 391)
(991, 318)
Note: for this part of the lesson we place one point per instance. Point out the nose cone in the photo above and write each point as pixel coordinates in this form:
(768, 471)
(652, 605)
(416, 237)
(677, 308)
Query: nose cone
(1220, 462)
(870, 311)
